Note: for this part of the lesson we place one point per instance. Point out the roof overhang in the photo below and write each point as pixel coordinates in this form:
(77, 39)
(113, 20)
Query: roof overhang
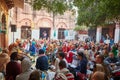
(19, 3)
(14, 3)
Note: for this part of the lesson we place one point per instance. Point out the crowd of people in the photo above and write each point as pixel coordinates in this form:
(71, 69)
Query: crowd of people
(60, 60)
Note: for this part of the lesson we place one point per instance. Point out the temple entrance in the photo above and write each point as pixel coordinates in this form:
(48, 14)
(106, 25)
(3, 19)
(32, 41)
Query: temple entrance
(61, 33)
(26, 32)
(45, 33)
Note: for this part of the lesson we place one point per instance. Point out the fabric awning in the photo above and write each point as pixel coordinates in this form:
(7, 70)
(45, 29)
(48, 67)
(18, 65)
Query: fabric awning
(19, 3)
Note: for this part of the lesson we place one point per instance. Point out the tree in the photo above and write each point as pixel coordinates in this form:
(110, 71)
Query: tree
(83, 27)
(90, 12)
(55, 6)
(97, 12)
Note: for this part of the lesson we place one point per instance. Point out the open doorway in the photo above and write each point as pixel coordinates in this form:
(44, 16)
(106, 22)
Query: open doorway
(25, 32)
(45, 33)
(61, 33)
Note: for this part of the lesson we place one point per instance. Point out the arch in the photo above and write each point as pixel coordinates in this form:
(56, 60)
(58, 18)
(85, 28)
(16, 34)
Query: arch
(26, 22)
(61, 25)
(44, 22)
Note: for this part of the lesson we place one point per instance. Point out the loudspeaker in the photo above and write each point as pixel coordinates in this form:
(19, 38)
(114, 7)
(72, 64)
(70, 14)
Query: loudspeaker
(13, 28)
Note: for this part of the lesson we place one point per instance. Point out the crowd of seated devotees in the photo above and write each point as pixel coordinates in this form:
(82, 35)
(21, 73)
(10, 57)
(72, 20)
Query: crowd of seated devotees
(60, 60)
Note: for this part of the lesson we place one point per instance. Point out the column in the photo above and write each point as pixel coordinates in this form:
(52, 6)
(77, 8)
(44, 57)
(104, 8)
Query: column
(98, 35)
(117, 33)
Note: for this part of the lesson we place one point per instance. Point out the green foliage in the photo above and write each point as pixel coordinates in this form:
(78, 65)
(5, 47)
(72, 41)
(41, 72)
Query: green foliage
(83, 27)
(97, 12)
(90, 12)
(55, 6)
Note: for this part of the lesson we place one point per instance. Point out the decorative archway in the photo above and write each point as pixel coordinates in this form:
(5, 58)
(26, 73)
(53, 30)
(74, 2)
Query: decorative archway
(45, 25)
(25, 22)
(61, 25)
(26, 25)
(61, 29)
(45, 22)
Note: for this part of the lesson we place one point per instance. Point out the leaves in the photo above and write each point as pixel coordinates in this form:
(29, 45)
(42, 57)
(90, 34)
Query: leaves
(97, 12)
(83, 27)
(90, 12)
(55, 6)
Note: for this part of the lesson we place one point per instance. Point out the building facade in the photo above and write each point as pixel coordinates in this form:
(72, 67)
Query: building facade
(5, 5)
(33, 24)
(108, 32)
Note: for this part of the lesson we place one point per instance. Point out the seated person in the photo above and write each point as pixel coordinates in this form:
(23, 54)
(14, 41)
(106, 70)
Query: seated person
(13, 65)
(99, 76)
(34, 75)
(64, 73)
(26, 69)
(82, 66)
(42, 61)
(111, 61)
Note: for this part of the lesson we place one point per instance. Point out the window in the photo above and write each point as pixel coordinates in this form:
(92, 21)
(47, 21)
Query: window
(25, 32)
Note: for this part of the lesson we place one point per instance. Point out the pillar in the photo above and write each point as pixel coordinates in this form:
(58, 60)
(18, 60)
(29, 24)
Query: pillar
(117, 33)
(98, 35)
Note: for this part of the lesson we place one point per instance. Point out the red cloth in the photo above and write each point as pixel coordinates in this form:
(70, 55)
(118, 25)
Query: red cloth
(70, 76)
(69, 57)
(12, 70)
(86, 47)
(64, 48)
(81, 76)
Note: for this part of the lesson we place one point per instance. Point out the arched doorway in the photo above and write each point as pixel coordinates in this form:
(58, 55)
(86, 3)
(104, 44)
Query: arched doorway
(26, 30)
(61, 30)
(2, 32)
(61, 33)
(45, 25)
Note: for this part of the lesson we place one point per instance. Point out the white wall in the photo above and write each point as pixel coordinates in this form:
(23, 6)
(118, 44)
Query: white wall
(35, 34)
(52, 34)
(71, 35)
(82, 37)
(17, 34)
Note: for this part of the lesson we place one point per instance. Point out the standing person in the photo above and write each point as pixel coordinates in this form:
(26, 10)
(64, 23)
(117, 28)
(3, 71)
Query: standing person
(42, 61)
(44, 35)
(33, 48)
(13, 65)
